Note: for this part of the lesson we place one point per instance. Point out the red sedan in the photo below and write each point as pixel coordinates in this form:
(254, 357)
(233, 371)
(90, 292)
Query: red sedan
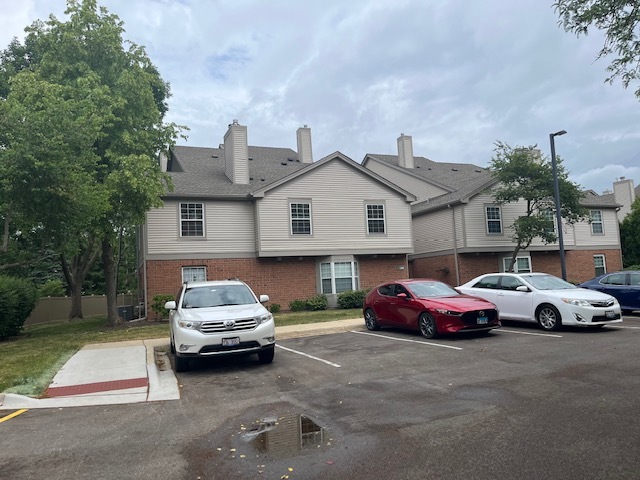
(429, 306)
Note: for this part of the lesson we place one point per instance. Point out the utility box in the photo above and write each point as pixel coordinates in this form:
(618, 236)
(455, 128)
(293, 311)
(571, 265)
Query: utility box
(125, 312)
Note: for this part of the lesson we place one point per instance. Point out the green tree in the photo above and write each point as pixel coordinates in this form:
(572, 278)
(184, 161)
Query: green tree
(630, 236)
(523, 175)
(109, 176)
(49, 160)
(620, 20)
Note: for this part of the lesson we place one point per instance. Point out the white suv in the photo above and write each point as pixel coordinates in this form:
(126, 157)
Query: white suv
(219, 318)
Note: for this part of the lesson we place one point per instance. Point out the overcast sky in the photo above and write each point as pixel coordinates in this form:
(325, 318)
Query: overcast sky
(456, 75)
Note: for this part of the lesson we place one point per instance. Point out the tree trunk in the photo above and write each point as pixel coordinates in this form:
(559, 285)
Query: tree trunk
(75, 274)
(513, 258)
(5, 234)
(110, 282)
(76, 300)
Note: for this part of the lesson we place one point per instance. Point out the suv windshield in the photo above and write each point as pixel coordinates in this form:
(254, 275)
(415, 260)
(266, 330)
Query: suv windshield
(547, 282)
(217, 296)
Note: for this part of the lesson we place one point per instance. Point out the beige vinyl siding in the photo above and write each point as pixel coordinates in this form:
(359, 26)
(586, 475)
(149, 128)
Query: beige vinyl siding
(229, 229)
(338, 195)
(420, 188)
(434, 232)
(476, 225)
(584, 237)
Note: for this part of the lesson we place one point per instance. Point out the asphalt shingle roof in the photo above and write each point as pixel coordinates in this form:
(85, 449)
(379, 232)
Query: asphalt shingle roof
(465, 180)
(200, 172)
(450, 175)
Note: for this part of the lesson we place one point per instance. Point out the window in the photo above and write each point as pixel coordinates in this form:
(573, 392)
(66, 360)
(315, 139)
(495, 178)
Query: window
(339, 277)
(510, 283)
(634, 279)
(194, 274)
(385, 290)
(494, 219)
(375, 218)
(523, 264)
(597, 227)
(549, 215)
(300, 218)
(599, 264)
(614, 279)
(490, 282)
(192, 220)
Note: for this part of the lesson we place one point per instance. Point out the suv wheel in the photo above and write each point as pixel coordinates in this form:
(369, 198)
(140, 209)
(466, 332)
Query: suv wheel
(182, 364)
(266, 355)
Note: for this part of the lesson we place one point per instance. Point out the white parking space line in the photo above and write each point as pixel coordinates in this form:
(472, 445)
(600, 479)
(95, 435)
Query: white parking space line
(623, 326)
(407, 340)
(531, 333)
(309, 356)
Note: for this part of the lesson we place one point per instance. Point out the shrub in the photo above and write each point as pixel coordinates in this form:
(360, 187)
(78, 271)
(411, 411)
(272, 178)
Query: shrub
(274, 308)
(319, 302)
(17, 300)
(52, 288)
(351, 298)
(157, 305)
(297, 305)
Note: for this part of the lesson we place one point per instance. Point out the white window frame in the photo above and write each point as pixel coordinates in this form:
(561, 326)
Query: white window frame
(188, 218)
(603, 267)
(332, 276)
(300, 218)
(376, 208)
(550, 215)
(506, 260)
(201, 274)
(497, 209)
(599, 222)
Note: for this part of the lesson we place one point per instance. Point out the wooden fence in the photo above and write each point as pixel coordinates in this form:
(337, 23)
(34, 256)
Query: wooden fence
(52, 309)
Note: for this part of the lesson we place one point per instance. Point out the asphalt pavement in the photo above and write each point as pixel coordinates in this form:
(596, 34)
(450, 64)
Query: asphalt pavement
(132, 372)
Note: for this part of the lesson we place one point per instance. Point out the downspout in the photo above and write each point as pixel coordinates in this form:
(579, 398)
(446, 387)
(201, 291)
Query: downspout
(455, 244)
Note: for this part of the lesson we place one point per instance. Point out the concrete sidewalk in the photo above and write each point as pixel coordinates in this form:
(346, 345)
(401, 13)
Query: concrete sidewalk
(132, 372)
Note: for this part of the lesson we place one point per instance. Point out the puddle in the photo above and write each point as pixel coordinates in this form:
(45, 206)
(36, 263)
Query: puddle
(284, 436)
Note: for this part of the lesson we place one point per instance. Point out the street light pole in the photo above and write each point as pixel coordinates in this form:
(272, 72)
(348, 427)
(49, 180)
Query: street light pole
(556, 195)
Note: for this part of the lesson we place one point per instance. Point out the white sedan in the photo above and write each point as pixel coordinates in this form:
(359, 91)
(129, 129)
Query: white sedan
(543, 298)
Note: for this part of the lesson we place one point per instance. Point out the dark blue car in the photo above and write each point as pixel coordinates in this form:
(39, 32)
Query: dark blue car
(625, 286)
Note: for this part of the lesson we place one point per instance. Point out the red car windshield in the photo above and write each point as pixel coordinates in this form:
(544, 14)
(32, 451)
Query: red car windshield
(428, 289)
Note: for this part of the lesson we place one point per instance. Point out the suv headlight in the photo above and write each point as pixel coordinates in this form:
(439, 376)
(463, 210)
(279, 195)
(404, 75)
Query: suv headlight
(189, 324)
(264, 318)
(576, 302)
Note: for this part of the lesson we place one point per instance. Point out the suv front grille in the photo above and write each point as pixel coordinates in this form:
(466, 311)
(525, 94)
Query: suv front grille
(238, 325)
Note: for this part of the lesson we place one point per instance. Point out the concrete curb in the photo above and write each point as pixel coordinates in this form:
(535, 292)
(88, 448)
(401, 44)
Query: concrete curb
(162, 382)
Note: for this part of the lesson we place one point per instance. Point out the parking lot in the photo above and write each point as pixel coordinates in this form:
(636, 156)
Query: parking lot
(517, 403)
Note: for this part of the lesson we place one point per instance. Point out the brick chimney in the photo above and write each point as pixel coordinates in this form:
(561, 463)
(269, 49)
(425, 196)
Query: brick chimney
(303, 135)
(405, 151)
(236, 153)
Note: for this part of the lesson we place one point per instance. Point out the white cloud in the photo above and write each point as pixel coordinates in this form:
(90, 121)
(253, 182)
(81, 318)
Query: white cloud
(455, 75)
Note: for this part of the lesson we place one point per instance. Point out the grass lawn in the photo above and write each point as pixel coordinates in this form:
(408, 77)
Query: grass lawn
(31, 359)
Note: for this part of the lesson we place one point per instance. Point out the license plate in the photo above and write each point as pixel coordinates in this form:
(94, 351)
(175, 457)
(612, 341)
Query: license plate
(610, 314)
(230, 342)
(482, 320)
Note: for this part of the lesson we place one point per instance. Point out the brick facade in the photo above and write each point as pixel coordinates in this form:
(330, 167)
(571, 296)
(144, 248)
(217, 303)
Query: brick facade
(579, 263)
(283, 280)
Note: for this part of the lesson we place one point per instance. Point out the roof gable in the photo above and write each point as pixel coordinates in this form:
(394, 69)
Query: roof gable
(334, 157)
